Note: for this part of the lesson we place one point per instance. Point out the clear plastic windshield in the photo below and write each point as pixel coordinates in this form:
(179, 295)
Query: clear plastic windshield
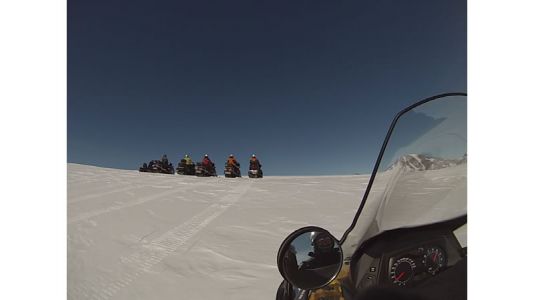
(422, 176)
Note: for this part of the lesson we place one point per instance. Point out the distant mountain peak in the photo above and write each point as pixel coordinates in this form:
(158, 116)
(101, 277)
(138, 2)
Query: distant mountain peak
(422, 162)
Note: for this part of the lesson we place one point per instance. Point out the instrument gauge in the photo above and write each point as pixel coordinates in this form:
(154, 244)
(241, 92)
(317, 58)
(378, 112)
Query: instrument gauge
(434, 260)
(402, 271)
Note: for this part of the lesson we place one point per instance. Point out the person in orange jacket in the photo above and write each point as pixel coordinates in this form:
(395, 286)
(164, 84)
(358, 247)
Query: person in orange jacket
(232, 161)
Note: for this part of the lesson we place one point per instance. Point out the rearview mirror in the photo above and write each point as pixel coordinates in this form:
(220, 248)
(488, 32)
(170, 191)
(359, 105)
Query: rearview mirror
(310, 258)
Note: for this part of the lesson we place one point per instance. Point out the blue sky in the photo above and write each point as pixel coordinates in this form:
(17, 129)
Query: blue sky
(310, 87)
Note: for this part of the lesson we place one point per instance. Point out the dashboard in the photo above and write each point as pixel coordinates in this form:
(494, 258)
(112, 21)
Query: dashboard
(409, 266)
(406, 257)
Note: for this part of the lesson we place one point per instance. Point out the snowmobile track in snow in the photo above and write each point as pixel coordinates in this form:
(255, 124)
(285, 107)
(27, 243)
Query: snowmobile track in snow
(109, 209)
(153, 253)
(73, 200)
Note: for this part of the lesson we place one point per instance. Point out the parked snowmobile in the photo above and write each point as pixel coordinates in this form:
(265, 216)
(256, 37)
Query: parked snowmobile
(156, 166)
(147, 167)
(143, 168)
(232, 171)
(205, 171)
(254, 168)
(185, 169)
(169, 169)
(255, 173)
(408, 237)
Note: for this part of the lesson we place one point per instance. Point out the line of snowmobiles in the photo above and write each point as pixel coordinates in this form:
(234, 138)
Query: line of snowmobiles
(198, 169)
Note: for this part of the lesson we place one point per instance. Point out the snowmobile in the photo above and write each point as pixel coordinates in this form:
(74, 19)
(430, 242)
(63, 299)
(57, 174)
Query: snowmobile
(160, 167)
(150, 167)
(232, 171)
(143, 168)
(156, 166)
(185, 169)
(203, 171)
(408, 236)
(255, 172)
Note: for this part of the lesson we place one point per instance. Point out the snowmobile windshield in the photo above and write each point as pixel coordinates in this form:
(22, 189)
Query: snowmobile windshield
(420, 176)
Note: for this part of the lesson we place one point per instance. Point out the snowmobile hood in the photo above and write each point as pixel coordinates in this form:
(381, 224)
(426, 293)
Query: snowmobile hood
(420, 176)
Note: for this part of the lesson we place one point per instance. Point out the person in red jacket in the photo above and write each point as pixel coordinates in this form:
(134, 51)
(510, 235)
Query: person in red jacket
(207, 163)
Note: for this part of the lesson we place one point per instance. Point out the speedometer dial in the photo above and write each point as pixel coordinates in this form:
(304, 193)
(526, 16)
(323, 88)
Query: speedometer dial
(402, 271)
(434, 260)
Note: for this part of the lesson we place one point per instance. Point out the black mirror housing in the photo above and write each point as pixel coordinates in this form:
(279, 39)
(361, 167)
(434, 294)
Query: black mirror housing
(310, 258)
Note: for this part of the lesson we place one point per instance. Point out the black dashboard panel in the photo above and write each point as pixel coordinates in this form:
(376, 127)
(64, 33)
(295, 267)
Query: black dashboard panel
(406, 257)
(426, 258)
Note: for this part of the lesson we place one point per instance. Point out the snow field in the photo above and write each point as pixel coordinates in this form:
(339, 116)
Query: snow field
(135, 235)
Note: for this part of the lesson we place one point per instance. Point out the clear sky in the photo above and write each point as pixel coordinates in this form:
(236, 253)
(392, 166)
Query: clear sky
(309, 86)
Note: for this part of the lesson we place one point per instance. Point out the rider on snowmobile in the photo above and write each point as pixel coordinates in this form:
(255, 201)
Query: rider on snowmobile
(232, 161)
(188, 160)
(254, 163)
(231, 168)
(207, 163)
(164, 160)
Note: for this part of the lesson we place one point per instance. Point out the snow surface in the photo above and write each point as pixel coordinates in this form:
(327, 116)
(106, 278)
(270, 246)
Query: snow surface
(135, 235)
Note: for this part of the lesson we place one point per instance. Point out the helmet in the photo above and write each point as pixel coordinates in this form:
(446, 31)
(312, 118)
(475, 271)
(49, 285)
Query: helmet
(186, 156)
(231, 155)
(253, 155)
(322, 242)
(205, 155)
